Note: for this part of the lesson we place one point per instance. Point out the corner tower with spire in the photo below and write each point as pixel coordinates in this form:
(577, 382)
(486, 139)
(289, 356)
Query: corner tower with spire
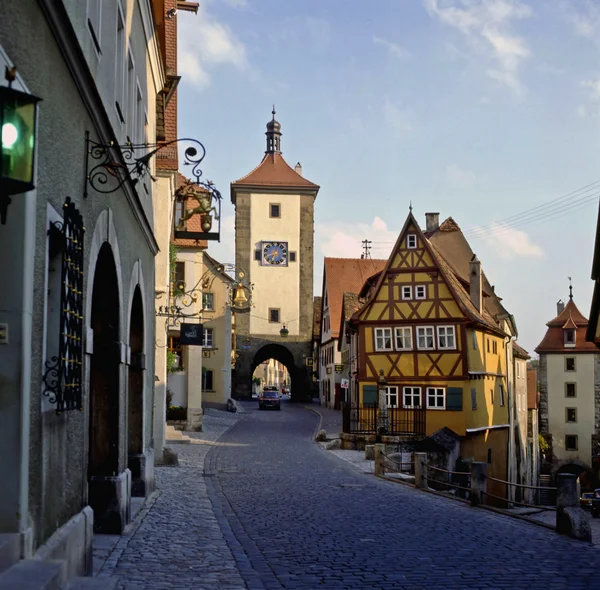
(274, 221)
(569, 385)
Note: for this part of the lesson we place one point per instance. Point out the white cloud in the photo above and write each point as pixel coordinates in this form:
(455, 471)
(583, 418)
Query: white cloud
(343, 240)
(507, 242)
(397, 117)
(203, 44)
(460, 176)
(592, 88)
(237, 3)
(584, 17)
(392, 48)
(487, 28)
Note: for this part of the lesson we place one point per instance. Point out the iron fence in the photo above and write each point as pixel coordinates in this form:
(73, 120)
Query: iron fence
(400, 421)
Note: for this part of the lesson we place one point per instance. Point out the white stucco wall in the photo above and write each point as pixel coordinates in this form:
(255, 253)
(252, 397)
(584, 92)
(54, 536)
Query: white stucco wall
(583, 376)
(275, 286)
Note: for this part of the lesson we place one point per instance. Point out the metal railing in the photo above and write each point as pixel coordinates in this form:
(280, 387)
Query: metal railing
(400, 421)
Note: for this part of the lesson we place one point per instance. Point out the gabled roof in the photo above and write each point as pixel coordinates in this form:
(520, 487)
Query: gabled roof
(317, 306)
(462, 297)
(342, 275)
(554, 339)
(520, 352)
(274, 171)
(216, 267)
(193, 223)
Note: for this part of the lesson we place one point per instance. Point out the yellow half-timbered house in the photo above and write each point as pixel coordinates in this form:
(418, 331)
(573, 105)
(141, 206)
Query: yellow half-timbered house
(428, 328)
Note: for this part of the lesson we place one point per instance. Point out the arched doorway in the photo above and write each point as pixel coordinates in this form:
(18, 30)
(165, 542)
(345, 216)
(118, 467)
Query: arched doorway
(105, 491)
(135, 397)
(587, 478)
(282, 355)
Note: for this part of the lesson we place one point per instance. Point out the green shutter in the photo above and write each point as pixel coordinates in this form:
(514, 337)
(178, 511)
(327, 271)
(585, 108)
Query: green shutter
(454, 397)
(369, 394)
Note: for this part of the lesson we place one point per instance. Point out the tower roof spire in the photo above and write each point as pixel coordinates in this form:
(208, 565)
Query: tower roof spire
(273, 135)
(570, 289)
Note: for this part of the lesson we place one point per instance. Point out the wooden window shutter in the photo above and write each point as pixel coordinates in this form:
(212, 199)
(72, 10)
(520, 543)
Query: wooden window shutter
(454, 399)
(370, 394)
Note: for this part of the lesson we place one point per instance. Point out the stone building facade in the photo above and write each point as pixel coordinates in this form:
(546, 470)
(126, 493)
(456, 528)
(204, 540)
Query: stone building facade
(274, 225)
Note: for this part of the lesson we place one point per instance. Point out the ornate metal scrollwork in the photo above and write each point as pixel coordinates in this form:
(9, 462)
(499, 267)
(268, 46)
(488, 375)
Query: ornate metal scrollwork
(63, 381)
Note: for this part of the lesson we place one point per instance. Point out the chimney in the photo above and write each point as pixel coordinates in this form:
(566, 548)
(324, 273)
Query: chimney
(432, 222)
(298, 168)
(560, 306)
(475, 283)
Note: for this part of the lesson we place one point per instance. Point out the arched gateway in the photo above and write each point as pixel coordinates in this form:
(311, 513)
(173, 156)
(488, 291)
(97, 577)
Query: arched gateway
(274, 222)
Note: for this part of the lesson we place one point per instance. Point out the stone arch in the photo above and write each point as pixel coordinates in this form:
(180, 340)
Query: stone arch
(576, 467)
(285, 357)
(104, 391)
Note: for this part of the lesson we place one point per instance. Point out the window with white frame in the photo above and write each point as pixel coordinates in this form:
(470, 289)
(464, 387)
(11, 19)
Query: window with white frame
(94, 22)
(383, 339)
(140, 115)
(436, 398)
(425, 338)
(403, 338)
(129, 96)
(411, 241)
(208, 301)
(446, 337)
(208, 341)
(391, 396)
(420, 292)
(120, 61)
(411, 397)
(406, 292)
(569, 338)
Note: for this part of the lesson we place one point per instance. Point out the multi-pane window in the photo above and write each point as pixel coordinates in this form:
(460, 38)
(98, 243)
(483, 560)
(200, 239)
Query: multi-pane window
(403, 338)
(446, 337)
(383, 339)
(120, 61)
(570, 390)
(570, 363)
(208, 340)
(571, 442)
(420, 292)
(570, 338)
(391, 396)
(407, 292)
(436, 398)
(179, 211)
(94, 21)
(273, 315)
(411, 241)
(425, 337)
(570, 414)
(208, 301)
(411, 397)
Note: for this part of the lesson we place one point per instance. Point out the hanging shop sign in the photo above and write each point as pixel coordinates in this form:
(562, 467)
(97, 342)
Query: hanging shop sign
(191, 334)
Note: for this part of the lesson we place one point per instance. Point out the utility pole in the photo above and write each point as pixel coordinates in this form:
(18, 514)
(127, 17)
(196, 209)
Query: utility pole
(366, 244)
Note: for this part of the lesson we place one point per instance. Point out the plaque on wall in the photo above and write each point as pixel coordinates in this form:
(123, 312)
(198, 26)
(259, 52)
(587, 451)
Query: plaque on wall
(191, 334)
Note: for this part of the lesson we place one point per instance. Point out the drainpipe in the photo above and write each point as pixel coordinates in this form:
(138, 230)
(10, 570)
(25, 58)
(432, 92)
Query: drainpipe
(511, 422)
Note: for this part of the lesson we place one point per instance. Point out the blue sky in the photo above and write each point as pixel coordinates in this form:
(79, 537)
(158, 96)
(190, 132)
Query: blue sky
(478, 109)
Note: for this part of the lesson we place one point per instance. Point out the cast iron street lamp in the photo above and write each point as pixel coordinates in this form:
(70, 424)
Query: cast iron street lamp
(18, 113)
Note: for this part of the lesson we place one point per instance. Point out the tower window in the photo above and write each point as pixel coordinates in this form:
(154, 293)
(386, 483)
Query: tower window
(292, 257)
(257, 255)
(570, 363)
(570, 390)
(273, 315)
(570, 338)
(275, 210)
(571, 442)
(570, 414)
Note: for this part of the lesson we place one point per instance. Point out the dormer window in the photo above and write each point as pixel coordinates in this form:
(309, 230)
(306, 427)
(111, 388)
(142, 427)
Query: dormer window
(569, 338)
(411, 241)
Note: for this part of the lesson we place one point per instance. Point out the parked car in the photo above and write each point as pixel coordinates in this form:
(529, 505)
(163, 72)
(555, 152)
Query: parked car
(269, 398)
(596, 504)
(586, 500)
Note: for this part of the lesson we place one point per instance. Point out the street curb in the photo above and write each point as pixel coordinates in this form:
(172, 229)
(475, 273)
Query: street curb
(320, 419)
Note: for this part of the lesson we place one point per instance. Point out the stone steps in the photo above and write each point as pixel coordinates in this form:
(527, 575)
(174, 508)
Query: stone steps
(32, 574)
(176, 437)
(10, 550)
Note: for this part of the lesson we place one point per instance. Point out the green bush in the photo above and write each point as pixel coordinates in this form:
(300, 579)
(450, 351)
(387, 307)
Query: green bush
(176, 413)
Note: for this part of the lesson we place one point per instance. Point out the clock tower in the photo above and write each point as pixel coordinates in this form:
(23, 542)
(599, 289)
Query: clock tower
(274, 236)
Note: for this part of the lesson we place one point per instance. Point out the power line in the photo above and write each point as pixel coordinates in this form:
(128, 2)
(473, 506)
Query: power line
(366, 244)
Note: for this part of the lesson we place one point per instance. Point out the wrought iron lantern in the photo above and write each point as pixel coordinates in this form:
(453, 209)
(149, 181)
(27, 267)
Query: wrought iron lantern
(284, 331)
(18, 114)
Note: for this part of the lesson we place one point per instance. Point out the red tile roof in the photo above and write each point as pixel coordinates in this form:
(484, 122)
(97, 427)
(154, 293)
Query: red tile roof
(520, 352)
(193, 223)
(274, 171)
(554, 340)
(346, 275)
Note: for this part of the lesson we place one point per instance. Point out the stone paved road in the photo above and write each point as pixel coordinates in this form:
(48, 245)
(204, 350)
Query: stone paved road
(307, 520)
(267, 508)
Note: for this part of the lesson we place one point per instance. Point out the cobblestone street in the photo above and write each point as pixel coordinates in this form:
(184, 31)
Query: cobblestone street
(268, 508)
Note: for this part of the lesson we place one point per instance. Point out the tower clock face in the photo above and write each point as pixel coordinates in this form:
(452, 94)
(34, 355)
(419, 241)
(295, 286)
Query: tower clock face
(275, 253)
